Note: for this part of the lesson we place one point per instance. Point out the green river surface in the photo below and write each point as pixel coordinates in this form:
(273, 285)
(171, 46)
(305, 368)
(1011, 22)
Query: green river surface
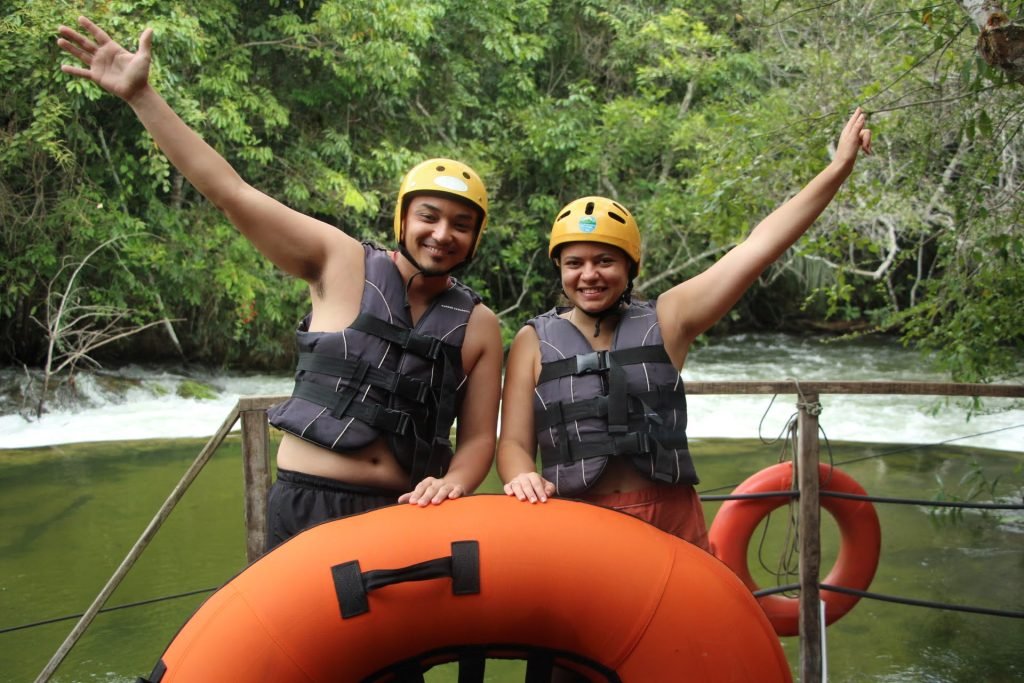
(70, 513)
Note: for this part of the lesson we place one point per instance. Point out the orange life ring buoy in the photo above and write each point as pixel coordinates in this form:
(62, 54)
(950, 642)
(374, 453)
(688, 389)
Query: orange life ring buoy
(860, 540)
(378, 595)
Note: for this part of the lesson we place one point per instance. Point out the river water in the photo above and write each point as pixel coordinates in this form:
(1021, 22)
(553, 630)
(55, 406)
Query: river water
(144, 403)
(79, 486)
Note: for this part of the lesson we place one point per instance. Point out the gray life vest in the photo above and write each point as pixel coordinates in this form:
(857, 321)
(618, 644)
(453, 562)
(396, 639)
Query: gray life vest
(625, 402)
(382, 376)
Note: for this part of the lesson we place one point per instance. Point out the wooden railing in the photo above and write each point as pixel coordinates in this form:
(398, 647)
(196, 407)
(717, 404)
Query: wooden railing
(256, 471)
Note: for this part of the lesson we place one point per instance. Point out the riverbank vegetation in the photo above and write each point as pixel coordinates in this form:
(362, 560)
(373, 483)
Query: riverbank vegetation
(700, 115)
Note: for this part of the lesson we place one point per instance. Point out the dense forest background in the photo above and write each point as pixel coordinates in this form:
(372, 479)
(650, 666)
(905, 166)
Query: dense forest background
(699, 115)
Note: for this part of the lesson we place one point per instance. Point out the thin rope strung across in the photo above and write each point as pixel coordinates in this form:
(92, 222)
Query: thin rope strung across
(914, 602)
(139, 603)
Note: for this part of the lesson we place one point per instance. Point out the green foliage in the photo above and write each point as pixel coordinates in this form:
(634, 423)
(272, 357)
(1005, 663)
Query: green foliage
(973, 320)
(973, 486)
(701, 117)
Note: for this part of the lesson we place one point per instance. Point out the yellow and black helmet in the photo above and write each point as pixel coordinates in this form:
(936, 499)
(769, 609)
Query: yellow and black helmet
(596, 219)
(444, 177)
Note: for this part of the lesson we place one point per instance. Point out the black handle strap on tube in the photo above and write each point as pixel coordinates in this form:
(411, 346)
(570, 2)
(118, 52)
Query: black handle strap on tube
(352, 585)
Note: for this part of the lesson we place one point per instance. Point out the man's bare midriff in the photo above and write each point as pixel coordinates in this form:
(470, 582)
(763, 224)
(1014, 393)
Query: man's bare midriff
(373, 465)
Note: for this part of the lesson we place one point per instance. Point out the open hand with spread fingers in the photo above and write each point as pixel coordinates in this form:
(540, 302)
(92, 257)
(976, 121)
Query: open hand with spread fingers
(107, 64)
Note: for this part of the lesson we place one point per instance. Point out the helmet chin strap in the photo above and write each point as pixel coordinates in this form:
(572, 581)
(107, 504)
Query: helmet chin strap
(428, 272)
(600, 316)
(624, 299)
(420, 270)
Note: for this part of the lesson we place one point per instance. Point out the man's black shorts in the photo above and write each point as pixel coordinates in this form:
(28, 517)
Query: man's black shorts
(297, 501)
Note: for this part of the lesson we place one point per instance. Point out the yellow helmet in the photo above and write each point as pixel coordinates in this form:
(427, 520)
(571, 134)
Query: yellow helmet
(596, 219)
(444, 177)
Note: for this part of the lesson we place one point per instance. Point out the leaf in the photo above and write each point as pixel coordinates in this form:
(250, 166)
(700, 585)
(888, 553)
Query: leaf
(984, 123)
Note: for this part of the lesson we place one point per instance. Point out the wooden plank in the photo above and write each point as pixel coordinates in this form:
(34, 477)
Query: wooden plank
(809, 538)
(857, 387)
(256, 472)
(246, 403)
(793, 387)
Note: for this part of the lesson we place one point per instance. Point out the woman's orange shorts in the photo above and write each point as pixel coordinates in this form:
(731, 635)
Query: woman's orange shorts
(674, 508)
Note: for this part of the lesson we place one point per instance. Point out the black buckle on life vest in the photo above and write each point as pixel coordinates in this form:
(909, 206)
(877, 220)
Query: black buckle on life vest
(635, 443)
(411, 388)
(394, 421)
(591, 363)
(423, 346)
(403, 423)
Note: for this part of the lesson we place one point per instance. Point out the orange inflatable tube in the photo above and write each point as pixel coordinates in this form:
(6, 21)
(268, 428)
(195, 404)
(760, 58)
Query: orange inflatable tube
(387, 594)
(860, 540)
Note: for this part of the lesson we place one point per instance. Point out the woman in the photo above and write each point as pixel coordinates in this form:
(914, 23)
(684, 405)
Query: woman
(596, 384)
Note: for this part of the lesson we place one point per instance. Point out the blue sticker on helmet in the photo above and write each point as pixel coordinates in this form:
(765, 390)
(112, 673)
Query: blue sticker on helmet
(588, 224)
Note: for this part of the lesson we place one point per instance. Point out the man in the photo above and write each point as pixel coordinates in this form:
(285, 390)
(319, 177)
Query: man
(393, 348)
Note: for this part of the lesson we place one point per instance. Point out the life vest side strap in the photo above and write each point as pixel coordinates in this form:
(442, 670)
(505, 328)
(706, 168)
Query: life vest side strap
(432, 452)
(634, 443)
(413, 342)
(347, 369)
(627, 445)
(597, 407)
(447, 399)
(563, 412)
(377, 416)
(618, 401)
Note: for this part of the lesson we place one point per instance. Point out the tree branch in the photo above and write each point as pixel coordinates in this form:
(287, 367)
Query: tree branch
(669, 272)
(525, 288)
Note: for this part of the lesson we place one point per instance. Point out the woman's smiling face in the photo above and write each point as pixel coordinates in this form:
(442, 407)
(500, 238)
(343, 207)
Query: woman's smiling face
(594, 275)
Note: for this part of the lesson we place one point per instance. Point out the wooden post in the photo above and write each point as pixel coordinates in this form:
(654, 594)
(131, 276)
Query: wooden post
(256, 470)
(809, 526)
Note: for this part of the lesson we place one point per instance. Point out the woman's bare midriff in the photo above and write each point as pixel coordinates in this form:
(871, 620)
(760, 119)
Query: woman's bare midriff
(620, 476)
(373, 465)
